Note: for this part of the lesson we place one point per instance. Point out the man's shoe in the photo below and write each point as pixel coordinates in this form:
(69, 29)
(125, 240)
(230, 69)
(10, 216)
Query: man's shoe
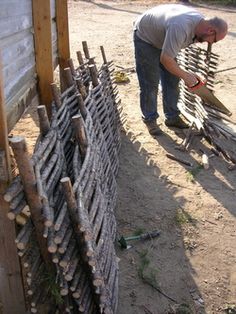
(177, 123)
(153, 128)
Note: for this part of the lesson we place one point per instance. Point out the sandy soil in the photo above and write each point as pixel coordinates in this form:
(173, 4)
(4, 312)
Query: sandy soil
(193, 261)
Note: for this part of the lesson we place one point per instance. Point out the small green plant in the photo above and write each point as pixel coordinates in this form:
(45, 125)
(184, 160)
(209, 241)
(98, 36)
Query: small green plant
(191, 174)
(52, 288)
(139, 231)
(147, 274)
(182, 217)
(143, 262)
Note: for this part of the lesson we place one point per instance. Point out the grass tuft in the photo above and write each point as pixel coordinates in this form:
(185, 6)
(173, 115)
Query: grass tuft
(191, 174)
(145, 272)
(48, 281)
(182, 217)
(139, 231)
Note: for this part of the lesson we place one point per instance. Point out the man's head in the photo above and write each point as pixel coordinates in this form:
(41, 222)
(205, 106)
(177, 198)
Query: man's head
(211, 30)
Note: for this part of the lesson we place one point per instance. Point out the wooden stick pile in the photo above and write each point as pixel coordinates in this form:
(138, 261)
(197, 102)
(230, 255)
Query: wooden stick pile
(216, 127)
(67, 194)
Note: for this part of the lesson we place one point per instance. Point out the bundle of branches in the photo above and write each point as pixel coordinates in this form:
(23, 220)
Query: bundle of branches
(218, 129)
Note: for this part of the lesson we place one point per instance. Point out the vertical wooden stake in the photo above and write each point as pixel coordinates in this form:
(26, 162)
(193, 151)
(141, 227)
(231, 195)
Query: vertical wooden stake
(208, 57)
(11, 288)
(209, 49)
(80, 133)
(85, 49)
(62, 38)
(69, 194)
(56, 95)
(71, 66)
(44, 124)
(81, 87)
(93, 74)
(82, 107)
(43, 50)
(68, 77)
(80, 59)
(30, 188)
(103, 55)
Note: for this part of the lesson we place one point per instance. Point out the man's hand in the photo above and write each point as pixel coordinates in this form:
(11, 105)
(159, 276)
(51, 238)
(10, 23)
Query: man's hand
(171, 65)
(190, 79)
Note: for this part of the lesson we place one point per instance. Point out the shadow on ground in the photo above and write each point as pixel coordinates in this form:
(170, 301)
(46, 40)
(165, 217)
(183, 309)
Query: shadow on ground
(146, 202)
(218, 180)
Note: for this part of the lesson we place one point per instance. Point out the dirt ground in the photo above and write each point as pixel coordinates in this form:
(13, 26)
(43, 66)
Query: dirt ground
(193, 261)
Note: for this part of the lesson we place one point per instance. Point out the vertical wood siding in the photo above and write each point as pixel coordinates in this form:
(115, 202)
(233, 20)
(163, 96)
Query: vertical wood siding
(18, 54)
(17, 46)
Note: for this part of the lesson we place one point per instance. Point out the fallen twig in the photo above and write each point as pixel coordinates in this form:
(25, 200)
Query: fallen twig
(185, 162)
(147, 281)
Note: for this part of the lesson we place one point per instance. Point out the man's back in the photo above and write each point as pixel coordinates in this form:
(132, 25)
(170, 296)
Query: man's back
(176, 20)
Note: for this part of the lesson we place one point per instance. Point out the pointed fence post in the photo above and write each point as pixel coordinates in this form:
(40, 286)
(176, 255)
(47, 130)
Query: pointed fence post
(29, 182)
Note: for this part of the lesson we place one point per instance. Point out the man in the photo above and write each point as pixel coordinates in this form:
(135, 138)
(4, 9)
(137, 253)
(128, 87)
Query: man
(159, 34)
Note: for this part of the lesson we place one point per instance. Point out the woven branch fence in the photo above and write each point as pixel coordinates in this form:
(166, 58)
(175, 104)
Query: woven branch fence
(67, 193)
(215, 125)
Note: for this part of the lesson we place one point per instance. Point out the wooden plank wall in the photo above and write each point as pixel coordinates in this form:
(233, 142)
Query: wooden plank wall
(18, 49)
(17, 46)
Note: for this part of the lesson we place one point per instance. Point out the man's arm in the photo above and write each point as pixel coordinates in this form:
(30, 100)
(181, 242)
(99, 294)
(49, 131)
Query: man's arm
(172, 66)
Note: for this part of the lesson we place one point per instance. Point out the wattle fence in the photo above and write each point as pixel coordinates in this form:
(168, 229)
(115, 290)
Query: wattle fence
(66, 194)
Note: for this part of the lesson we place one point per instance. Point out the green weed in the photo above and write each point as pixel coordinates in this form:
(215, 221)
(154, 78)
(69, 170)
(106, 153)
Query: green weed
(191, 174)
(145, 272)
(52, 287)
(149, 274)
(139, 231)
(182, 217)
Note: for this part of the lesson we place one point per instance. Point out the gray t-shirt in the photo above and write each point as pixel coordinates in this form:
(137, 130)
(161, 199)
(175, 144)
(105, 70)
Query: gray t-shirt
(169, 27)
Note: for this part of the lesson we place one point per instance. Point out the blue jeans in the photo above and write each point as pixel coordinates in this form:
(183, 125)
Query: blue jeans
(150, 71)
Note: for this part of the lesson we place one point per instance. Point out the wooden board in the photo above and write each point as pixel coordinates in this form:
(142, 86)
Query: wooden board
(43, 50)
(63, 38)
(11, 288)
(4, 146)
